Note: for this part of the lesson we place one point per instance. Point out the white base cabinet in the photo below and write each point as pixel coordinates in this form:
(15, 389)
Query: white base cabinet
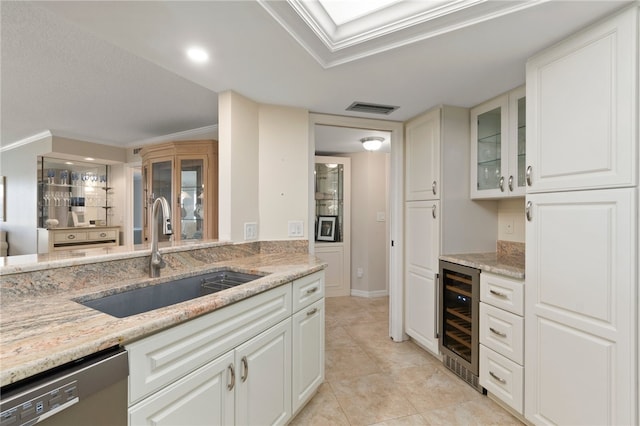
(236, 365)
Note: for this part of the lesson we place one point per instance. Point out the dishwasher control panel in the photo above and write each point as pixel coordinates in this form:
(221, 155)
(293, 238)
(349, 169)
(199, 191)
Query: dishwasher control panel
(39, 408)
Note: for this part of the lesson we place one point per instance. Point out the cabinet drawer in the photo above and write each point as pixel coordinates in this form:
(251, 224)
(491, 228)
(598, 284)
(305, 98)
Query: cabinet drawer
(504, 293)
(162, 358)
(69, 237)
(307, 290)
(502, 377)
(109, 234)
(502, 331)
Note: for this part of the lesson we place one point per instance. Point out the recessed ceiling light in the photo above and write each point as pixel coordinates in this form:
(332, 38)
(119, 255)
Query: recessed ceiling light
(69, 163)
(89, 158)
(197, 54)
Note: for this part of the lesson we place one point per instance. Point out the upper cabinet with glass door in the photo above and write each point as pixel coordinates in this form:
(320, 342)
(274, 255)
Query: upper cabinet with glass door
(498, 146)
(185, 173)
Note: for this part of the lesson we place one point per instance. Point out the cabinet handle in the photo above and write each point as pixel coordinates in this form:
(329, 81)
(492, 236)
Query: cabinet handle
(499, 333)
(501, 183)
(497, 293)
(71, 237)
(245, 369)
(528, 175)
(510, 183)
(433, 187)
(433, 211)
(232, 374)
(527, 211)
(311, 312)
(501, 380)
(312, 290)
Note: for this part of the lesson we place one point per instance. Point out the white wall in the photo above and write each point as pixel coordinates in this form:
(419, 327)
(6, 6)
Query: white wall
(369, 237)
(284, 170)
(263, 167)
(20, 166)
(511, 216)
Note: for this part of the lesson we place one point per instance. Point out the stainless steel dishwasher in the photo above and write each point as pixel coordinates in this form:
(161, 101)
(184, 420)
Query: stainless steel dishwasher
(89, 391)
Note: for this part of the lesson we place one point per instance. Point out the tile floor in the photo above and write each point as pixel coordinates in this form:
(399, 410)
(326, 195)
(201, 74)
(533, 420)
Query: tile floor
(370, 380)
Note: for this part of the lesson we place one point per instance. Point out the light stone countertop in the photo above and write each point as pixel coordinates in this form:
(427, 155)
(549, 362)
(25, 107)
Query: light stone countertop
(489, 262)
(41, 329)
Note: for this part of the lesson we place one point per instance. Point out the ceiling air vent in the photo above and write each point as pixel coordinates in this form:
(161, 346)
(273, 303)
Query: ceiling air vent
(372, 108)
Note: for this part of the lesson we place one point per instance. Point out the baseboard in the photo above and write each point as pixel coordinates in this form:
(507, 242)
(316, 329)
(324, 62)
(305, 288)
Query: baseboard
(369, 294)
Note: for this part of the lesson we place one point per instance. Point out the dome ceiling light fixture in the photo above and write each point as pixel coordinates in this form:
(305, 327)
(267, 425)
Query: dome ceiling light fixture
(372, 143)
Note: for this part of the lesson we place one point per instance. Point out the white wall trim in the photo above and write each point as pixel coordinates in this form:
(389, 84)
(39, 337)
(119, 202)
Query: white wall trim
(27, 140)
(369, 294)
(396, 190)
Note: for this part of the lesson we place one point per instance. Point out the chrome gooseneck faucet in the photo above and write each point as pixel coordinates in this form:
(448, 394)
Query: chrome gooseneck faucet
(156, 263)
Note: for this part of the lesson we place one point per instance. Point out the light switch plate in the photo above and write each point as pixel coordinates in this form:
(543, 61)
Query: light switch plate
(296, 228)
(250, 231)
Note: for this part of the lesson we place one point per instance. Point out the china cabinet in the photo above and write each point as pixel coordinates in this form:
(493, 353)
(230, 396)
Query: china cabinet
(439, 217)
(498, 152)
(186, 174)
(581, 291)
(74, 205)
(333, 221)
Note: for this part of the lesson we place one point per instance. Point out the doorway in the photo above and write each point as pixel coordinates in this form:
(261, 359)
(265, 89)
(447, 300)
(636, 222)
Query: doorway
(391, 214)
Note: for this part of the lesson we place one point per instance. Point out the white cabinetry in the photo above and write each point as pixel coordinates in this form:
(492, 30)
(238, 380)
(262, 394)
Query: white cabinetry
(581, 304)
(502, 339)
(235, 365)
(498, 146)
(439, 217)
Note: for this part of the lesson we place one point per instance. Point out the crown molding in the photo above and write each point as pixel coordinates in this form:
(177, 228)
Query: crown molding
(390, 27)
(27, 140)
(207, 131)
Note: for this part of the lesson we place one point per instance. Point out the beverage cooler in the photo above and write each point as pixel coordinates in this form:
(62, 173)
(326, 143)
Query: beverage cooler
(459, 315)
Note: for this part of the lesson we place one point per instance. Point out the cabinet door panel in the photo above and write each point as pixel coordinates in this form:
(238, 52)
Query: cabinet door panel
(263, 377)
(308, 352)
(421, 268)
(199, 398)
(422, 153)
(582, 116)
(580, 306)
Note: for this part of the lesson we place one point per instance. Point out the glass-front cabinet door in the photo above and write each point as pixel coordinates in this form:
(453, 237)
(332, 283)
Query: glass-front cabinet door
(329, 202)
(498, 137)
(185, 173)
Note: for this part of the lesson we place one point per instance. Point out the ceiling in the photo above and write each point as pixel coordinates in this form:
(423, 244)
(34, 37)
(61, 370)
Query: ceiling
(115, 72)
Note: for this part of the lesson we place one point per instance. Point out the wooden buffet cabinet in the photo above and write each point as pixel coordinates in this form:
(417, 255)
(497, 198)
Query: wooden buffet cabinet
(186, 174)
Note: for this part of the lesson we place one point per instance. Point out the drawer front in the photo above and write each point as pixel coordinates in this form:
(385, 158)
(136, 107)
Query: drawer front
(307, 290)
(502, 331)
(109, 234)
(504, 293)
(502, 377)
(164, 357)
(69, 237)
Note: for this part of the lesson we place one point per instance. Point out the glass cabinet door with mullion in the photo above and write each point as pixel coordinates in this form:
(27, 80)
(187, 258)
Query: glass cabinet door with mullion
(158, 175)
(489, 155)
(191, 200)
(518, 138)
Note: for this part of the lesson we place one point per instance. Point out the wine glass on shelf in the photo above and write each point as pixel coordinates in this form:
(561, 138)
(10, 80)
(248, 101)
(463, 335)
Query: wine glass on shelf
(51, 174)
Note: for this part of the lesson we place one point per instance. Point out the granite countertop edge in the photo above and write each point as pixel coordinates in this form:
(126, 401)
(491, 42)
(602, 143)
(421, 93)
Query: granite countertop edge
(40, 333)
(489, 262)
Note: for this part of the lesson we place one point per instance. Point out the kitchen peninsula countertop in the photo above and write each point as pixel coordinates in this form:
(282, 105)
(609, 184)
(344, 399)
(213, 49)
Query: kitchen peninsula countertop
(41, 328)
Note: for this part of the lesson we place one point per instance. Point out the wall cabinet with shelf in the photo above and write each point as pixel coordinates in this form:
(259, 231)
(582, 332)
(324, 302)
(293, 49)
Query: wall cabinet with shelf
(186, 174)
(498, 146)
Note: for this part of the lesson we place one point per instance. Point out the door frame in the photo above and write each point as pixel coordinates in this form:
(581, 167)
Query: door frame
(396, 191)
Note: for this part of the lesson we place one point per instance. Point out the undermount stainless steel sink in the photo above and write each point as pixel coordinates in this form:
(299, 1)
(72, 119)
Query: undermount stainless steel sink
(152, 297)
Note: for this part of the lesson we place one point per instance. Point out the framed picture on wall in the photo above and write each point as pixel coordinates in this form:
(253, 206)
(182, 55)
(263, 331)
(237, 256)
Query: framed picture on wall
(327, 228)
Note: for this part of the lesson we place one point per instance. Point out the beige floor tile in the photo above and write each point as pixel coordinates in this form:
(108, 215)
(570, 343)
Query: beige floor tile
(338, 338)
(415, 420)
(348, 362)
(480, 412)
(322, 410)
(371, 399)
(396, 356)
(372, 333)
(430, 388)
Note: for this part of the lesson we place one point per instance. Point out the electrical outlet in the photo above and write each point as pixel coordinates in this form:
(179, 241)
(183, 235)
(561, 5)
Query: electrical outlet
(296, 228)
(250, 231)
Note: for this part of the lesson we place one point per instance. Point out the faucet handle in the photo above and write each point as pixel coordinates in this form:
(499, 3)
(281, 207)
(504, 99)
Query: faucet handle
(167, 227)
